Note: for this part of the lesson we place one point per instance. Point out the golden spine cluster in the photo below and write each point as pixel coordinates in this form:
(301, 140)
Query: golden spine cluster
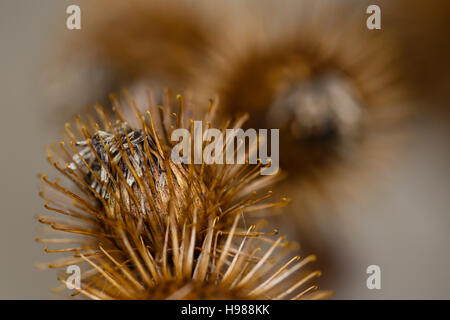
(146, 228)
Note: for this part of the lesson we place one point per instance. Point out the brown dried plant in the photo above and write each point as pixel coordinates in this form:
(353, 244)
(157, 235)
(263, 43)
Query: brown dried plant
(147, 228)
(334, 89)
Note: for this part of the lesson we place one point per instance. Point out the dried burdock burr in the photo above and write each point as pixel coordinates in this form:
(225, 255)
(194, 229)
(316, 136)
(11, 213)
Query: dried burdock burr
(123, 43)
(331, 86)
(334, 89)
(147, 228)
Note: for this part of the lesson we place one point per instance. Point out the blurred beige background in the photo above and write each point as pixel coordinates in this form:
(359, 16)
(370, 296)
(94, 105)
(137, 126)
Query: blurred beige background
(401, 223)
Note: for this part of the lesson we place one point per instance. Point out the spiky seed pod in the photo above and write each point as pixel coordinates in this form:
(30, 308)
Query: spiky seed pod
(122, 43)
(141, 38)
(328, 83)
(332, 87)
(228, 264)
(152, 228)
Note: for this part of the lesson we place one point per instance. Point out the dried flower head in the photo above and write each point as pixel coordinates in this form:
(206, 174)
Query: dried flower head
(123, 43)
(330, 85)
(154, 229)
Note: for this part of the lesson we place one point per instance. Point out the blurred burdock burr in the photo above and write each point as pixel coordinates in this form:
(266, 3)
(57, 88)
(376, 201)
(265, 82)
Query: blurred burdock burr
(420, 29)
(334, 89)
(126, 43)
(327, 82)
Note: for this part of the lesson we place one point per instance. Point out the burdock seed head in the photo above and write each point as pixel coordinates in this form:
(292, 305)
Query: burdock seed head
(148, 228)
